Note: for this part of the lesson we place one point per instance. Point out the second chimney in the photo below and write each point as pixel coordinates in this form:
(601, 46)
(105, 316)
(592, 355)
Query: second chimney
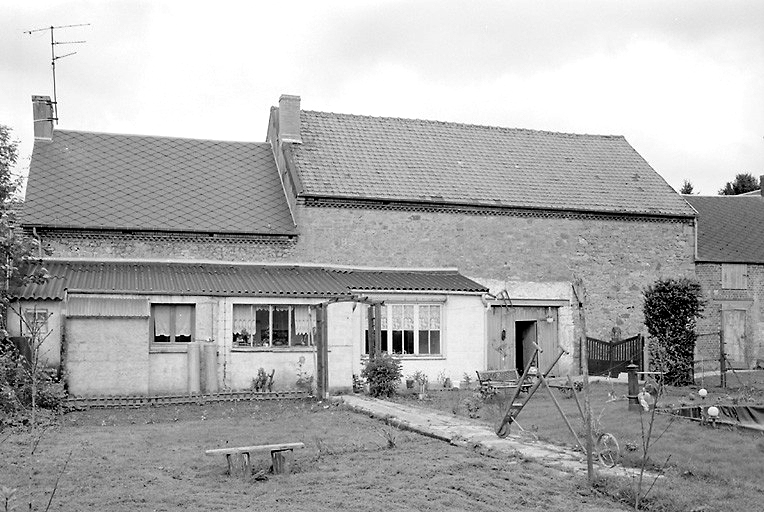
(42, 114)
(289, 119)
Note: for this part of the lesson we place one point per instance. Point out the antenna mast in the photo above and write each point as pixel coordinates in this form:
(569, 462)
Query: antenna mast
(54, 57)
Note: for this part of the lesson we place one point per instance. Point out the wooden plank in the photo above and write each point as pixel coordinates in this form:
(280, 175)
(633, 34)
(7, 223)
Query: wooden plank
(256, 448)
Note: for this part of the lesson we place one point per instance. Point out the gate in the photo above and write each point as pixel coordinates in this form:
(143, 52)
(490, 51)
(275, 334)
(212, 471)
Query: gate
(612, 357)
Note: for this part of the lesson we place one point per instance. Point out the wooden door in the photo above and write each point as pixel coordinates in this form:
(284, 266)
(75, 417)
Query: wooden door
(502, 333)
(733, 329)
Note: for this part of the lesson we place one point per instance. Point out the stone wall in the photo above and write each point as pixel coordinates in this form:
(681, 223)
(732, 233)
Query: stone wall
(146, 246)
(616, 257)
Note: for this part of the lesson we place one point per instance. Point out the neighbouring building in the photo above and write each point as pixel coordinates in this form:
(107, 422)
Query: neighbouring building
(730, 269)
(512, 215)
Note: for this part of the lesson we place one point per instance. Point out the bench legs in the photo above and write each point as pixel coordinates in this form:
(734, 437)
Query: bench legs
(282, 461)
(239, 464)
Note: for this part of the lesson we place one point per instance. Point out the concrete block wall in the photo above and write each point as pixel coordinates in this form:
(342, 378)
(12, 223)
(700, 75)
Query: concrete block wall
(710, 277)
(615, 257)
(107, 356)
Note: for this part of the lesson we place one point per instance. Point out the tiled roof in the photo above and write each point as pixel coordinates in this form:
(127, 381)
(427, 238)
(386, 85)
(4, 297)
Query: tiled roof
(108, 181)
(730, 228)
(235, 280)
(361, 157)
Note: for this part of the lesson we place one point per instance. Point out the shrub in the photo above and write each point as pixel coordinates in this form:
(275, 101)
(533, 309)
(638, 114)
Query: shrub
(671, 308)
(16, 388)
(383, 373)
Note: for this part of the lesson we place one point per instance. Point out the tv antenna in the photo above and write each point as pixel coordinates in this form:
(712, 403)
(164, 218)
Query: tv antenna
(54, 57)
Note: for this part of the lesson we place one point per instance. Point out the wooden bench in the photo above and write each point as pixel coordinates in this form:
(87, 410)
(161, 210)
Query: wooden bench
(491, 381)
(239, 457)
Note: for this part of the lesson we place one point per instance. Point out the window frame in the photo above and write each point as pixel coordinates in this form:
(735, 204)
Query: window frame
(44, 328)
(270, 345)
(172, 341)
(388, 330)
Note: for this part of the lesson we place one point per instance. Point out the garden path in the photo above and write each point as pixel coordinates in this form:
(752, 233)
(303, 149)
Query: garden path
(464, 432)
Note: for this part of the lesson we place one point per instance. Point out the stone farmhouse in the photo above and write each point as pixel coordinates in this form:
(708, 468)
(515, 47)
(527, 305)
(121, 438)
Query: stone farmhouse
(183, 264)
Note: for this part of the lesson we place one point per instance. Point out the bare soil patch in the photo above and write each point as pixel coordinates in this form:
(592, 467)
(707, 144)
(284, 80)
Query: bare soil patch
(153, 459)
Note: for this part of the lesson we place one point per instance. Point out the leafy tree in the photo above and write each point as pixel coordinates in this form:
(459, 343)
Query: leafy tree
(671, 308)
(687, 188)
(744, 182)
(17, 250)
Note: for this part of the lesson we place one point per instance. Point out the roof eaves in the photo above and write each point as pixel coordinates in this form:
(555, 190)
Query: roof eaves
(155, 231)
(491, 205)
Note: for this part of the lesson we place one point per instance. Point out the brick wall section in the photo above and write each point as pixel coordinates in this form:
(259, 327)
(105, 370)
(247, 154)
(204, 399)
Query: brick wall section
(710, 277)
(616, 258)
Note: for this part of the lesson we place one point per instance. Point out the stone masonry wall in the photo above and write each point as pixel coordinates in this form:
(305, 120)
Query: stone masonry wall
(616, 258)
(709, 326)
(126, 246)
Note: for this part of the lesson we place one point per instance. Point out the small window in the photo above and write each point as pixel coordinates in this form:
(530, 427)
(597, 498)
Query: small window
(278, 326)
(172, 323)
(734, 276)
(35, 322)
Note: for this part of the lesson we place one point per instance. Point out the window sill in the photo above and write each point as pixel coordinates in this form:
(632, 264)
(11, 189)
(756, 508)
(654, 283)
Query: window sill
(413, 357)
(274, 349)
(168, 348)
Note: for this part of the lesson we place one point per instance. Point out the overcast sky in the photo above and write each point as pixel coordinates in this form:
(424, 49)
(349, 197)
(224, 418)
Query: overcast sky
(683, 81)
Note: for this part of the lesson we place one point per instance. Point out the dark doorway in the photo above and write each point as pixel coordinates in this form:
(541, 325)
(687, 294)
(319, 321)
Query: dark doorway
(525, 337)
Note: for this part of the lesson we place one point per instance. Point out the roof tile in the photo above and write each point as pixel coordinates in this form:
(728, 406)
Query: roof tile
(110, 181)
(364, 157)
(730, 228)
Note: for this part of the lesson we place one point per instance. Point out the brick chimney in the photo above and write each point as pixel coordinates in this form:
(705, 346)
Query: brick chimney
(289, 119)
(42, 113)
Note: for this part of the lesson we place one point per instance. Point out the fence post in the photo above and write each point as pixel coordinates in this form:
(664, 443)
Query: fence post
(722, 361)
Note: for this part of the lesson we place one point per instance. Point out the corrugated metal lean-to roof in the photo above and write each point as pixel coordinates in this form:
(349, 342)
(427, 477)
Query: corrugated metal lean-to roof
(228, 279)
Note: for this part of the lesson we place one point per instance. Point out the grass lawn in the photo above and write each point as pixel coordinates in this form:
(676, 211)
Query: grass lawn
(709, 469)
(153, 459)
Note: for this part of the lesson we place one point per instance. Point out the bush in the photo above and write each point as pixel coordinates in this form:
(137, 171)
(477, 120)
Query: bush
(16, 388)
(671, 309)
(383, 373)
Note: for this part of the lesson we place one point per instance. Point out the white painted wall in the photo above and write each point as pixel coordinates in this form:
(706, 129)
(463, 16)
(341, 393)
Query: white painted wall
(462, 337)
(50, 348)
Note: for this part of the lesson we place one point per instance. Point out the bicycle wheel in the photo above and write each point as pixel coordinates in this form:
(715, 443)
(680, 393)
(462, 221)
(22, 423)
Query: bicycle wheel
(607, 450)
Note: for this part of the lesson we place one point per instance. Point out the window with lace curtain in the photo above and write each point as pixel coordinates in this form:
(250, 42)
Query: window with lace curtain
(172, 323)
(408, 329)
(277, 326)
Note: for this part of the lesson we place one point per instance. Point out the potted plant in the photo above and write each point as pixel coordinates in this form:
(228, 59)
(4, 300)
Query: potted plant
(421, 379)
(410, 382)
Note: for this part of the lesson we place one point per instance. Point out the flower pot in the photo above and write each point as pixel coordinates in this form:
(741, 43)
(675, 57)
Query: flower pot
(409, 383)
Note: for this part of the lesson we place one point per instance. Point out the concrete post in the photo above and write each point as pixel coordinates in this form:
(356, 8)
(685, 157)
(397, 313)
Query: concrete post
(633, 387)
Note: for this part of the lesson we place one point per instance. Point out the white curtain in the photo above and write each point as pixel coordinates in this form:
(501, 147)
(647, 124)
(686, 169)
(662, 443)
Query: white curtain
(183, 320)
(304, 322)
(244, 318)
(162, 320)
